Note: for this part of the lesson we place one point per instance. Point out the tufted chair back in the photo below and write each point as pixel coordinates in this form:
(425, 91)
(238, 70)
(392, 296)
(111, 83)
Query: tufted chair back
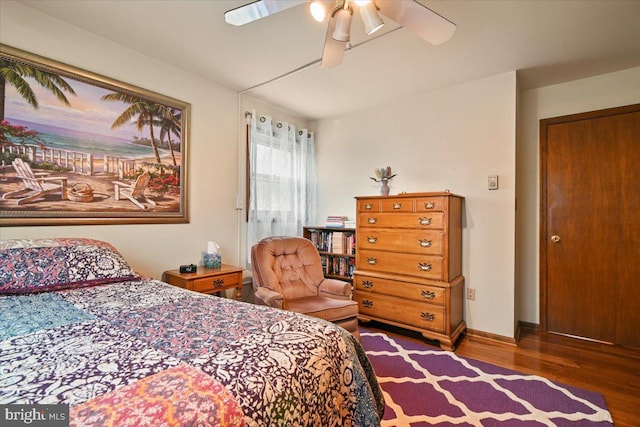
(288, 265)
(287, 274)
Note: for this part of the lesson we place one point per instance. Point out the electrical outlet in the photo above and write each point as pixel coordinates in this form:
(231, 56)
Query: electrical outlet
(471, 294)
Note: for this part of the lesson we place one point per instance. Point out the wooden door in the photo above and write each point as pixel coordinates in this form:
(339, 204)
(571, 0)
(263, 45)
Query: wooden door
(590, 225)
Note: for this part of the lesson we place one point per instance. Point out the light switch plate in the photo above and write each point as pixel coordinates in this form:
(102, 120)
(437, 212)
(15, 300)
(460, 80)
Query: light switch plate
(492, 182)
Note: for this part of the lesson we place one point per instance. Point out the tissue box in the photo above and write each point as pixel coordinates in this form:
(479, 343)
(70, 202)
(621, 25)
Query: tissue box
(213, 260)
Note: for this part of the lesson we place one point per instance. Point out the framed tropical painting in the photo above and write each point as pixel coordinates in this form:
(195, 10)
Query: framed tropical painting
(80, 148)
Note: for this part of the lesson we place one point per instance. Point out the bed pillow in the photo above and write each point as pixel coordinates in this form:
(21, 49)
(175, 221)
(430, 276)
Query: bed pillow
(52, 264)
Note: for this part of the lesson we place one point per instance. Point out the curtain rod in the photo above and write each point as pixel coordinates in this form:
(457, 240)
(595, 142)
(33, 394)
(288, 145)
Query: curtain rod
(248, 114)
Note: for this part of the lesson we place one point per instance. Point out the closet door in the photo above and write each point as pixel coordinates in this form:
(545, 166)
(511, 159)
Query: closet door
(590, 225)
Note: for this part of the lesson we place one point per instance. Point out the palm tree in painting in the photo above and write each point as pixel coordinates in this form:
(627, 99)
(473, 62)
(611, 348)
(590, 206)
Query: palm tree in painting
(16, 74)
(142, 112)
(170, 124)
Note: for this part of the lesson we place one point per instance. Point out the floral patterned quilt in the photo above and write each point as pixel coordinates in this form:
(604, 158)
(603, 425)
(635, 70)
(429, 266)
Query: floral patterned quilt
(142, 352)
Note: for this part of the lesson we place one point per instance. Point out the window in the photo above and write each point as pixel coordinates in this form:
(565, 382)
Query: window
(282, 181)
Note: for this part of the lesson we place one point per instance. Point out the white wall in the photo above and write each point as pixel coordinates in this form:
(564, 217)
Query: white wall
(449, 139)
(213, 167)
(594, 93)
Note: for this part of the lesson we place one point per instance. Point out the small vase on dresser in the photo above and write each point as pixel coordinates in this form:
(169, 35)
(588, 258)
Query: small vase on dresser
(409, 263)
(383, 176)
(384, 188)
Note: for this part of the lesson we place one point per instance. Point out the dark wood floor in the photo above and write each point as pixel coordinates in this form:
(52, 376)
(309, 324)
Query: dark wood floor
(610, 370)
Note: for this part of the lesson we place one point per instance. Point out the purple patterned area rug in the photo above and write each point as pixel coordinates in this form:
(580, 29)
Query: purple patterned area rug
(426, 386)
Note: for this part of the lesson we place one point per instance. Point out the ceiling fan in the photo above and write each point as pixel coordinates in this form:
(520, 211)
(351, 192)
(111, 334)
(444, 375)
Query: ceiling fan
(412, 15)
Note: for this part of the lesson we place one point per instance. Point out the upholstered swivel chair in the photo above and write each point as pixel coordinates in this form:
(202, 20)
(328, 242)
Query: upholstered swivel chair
(287, 274)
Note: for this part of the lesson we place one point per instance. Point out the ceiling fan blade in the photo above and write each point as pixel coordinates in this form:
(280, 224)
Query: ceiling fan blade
(419, 19)
(333, 49)
(257, 10)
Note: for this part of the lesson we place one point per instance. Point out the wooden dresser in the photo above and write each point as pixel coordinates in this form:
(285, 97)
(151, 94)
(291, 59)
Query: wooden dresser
(409, 263)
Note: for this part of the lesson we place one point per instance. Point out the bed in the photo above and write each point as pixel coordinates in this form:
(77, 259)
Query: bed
(78, 326)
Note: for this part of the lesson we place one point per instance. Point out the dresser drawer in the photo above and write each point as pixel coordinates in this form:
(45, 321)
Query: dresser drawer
(424, 266)
(412, 291)
(396, 205)
(424, 242)
(368, 205)
(425, 221)
(431, 204)
(217, 283)
(414, 313)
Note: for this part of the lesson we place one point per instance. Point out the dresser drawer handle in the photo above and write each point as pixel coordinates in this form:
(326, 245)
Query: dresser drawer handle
(423, 266)
(372, 261)
(371, 239)
(429, 317)
(218, 283)
(428, 294)
(397, 205)
(368, 206)
(424, 243)
(367, 284)
(367, 303)
(372, 220)
(425, 221)
(429, 205)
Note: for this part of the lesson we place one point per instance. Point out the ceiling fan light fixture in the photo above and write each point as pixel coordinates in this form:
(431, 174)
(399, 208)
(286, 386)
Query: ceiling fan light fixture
(342, 30)
(318, 10)
(370, 17)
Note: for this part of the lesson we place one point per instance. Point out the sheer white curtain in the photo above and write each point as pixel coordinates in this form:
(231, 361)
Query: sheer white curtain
(282, 179)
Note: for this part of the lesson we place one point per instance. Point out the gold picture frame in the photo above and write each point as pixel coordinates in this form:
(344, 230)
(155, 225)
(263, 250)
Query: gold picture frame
(80, 148)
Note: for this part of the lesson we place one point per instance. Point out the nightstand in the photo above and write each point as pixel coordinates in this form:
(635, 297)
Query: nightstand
(208, 280)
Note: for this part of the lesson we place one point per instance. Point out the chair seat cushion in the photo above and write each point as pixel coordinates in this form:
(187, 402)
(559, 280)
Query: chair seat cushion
(323, 307)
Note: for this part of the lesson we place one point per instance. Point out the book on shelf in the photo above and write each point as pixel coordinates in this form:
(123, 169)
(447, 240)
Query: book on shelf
(337, 240)
(341, 242)
(334, 221)
(340, 266)
(324, 260)
(350, 244)
(337, 249)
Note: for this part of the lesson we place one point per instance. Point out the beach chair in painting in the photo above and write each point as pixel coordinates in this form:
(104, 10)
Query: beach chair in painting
(135, 191)
(35, 185)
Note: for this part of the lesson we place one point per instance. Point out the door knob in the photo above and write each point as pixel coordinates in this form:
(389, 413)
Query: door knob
(555, 238)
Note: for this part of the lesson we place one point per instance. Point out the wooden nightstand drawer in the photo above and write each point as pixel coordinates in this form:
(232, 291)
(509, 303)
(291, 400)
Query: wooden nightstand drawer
(216, 283)
(208, 280)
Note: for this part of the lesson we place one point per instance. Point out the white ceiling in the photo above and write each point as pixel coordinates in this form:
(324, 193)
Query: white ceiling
(277, 58)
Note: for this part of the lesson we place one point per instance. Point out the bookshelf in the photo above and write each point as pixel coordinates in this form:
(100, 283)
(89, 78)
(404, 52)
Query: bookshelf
(337, 248)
